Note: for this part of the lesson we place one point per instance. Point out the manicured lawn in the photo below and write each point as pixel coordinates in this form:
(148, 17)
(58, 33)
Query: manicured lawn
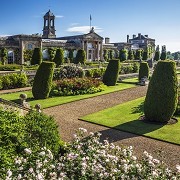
(125, 117)
(54, 101)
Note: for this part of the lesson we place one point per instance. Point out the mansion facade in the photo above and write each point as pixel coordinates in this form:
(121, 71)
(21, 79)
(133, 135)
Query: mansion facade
(91, 42)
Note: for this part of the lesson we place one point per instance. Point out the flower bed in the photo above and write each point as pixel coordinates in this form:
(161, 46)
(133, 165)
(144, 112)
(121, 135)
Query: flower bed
(88, 158)
(76, 86)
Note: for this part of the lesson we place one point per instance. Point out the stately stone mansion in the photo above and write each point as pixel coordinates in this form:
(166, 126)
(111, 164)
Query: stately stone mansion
(91, 42)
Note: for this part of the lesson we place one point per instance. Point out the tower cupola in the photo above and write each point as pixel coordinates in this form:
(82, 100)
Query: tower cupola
(49, 27)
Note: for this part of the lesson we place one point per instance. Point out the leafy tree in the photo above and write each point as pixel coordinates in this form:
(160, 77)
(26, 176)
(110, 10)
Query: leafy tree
(123, 54)
(80, 57)
(4, 54)
(59, 57)
(105, 55)
(162, 95)
(36, 57)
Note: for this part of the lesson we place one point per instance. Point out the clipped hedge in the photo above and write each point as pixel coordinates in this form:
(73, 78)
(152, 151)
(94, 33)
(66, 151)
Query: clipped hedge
(36, 57)
(111, 74)
(80, 57)
(143, 70)
(95, 73)
(59, 57)
(11, 81)
(9, 67)
(161, 99)
(43, 80)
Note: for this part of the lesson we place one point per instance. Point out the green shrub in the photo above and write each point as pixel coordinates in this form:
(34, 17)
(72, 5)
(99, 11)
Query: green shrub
(14, 80)
(1, 85)
(36, 57)
(42, 130)
(3, 54)
(95, 73)
(80, 57)
(35, 130)
(9, 67)
(143, 70)
(76, 86)
(135, 67)
(111, 74)
(105, 55)
(43, 80)
(161, 99)
(59, 57)
(69, 71)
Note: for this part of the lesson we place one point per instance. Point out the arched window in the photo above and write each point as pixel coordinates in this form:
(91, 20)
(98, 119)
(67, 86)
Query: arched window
(30, 46)
(10, 57)
(45, 54)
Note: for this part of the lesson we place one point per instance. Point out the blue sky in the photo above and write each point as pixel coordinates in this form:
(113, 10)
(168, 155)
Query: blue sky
(160, 19)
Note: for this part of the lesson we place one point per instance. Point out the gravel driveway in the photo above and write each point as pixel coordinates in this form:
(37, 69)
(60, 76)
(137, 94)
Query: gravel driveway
(67, 116)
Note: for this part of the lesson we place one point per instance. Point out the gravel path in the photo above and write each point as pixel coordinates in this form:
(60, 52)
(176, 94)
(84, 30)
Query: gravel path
(67, 118)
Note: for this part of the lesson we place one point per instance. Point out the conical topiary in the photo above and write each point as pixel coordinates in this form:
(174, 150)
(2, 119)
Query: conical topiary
(143, 70)
(111, 74)
(161, 99)
(43, 80)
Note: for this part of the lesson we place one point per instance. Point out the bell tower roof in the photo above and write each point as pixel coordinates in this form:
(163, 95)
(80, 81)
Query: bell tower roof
(49, 26)
(49, 13)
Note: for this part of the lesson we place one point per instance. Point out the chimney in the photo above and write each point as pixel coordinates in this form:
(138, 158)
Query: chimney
(146, 35)
(134, 36)
(139, 35)
(107, 40)
(127, 38)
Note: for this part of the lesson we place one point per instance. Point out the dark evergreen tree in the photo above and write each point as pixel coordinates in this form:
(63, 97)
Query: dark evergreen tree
(131, 55)
(111, 74)
(51, 52)
(105, 55)
(143, 70)
(145, 55)
(162, 95)
(59, 57)
(163, 53)
(71, 57)
(157, 56)
(4, 54)
(111, 54)
(80, 57)
(123, 53)
(43, 80)
(138, 54)
(36, 57)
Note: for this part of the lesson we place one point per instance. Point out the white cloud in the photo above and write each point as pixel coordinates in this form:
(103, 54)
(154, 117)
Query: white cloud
(83, 29)
(74, 24)
(4, 35)
(59, 16)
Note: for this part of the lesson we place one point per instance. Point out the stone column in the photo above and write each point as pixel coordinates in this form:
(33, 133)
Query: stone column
(21, 52)
(87, 50)
(83, 44)
(101, 51)
(98, 50)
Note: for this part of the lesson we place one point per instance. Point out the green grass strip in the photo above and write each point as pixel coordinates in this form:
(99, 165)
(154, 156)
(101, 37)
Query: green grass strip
(54, 101)
(125, 117)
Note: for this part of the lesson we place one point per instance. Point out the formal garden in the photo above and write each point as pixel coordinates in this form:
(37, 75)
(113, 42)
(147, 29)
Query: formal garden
(31, 147)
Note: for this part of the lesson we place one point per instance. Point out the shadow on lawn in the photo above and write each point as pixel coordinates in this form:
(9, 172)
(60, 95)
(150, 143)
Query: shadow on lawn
(18, 101)
(129, 130)
(138, 109)
(128, 82)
